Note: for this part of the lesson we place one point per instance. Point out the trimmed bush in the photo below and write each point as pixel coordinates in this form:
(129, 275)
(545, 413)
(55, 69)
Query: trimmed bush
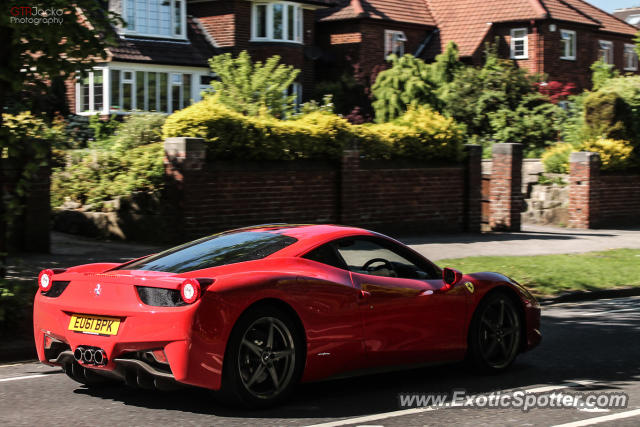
(615, 155)
(419, 134)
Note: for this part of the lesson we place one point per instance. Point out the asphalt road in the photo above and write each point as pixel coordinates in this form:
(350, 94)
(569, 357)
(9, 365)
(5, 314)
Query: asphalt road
(589, 346)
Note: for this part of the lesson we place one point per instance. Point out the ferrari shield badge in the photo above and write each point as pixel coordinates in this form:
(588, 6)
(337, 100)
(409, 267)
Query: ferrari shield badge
(470, 287)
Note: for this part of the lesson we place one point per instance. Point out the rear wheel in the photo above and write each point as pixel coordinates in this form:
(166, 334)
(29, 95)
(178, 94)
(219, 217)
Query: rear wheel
(264, 359)
(495, 333)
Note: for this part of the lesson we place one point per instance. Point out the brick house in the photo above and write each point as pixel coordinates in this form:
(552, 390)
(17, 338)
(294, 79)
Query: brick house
(160, 63)
(560, 38)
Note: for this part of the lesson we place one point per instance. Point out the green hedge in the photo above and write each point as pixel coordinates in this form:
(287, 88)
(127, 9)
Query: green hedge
(420, 134)
(101, 175)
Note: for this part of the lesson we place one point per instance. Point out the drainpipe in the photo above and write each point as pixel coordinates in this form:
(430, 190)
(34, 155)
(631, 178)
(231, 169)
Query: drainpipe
(426, 42)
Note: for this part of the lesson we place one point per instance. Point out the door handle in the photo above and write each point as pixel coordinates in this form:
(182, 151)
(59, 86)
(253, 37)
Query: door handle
(364, 294)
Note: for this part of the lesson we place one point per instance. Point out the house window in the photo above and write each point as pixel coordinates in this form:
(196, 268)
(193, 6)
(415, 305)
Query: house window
(90, 92)
(568, 38)
(394, 43)
(519, 43)
(296, 90)
(605, 51)
(155, 18)
(630, 58)
(134, 90)
(277, 21)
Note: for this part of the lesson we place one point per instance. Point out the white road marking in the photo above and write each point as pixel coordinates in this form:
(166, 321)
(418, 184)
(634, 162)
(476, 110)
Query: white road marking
(375, 417)
(603, 419)
(413, 411)
(26, 377)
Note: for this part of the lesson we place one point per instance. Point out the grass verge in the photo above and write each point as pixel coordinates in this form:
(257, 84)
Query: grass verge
(551, 275)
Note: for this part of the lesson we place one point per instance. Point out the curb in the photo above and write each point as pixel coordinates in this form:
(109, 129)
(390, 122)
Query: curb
(591, 295)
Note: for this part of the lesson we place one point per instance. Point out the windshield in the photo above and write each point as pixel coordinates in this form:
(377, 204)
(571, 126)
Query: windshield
(214, 251)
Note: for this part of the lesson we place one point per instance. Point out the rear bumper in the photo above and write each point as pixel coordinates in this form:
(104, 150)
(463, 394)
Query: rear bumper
(142, 328)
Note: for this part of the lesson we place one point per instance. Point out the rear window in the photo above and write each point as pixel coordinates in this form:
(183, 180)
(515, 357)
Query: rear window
(214, 251)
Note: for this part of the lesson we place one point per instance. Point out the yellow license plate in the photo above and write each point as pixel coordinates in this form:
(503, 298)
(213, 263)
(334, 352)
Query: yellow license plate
(94, 324)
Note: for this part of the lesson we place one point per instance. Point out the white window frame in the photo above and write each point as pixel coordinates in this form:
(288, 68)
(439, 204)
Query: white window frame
(128, 30)
(194, 92)
(565, 44)
(105, 92)
(298, 22)
(391, 37)
(524, 39)
(634, 55)
(609, 48)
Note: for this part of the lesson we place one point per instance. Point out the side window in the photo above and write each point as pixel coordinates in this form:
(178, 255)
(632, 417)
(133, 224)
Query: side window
(366, 256)
(326, 254)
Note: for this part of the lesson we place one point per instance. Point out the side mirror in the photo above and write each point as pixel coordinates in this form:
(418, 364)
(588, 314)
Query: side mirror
(450, 277)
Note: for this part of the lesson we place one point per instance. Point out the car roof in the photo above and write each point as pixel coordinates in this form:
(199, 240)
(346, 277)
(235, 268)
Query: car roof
(308, 235)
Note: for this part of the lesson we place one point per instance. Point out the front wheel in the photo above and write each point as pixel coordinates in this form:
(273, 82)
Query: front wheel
(495, 333)
(264, 358)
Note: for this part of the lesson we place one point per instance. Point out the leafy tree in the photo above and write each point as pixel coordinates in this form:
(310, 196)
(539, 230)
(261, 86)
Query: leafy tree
(254, 88)
(535, 124)
(32, 55)
(602, 72)
(446, 65)
(475, 94)
(406, 84)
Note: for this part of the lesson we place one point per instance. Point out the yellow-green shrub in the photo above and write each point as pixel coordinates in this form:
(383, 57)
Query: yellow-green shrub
(556, 158)
(615, 155)
(419, 134)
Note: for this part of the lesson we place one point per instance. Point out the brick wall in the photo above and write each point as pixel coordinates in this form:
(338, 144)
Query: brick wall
(505, 194)
(601, 200)
(213, 196)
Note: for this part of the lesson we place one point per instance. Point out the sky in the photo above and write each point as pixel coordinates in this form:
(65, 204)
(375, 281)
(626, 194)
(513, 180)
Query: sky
(611, 5)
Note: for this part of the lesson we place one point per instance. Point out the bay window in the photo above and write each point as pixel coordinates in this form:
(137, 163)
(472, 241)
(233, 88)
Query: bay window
(155, 18)
(277, 21)
(127, 88)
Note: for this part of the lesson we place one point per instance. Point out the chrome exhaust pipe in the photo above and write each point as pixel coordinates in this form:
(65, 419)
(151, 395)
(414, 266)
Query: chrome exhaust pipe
(100, 357)
(77, 354)
(87, 356)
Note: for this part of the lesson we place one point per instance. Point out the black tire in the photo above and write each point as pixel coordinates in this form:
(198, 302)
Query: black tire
(260, 371)
(495, 334)
(86, 377)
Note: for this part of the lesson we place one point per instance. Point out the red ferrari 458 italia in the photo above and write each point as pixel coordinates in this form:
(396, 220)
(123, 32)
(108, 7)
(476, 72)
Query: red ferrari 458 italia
(251, 312)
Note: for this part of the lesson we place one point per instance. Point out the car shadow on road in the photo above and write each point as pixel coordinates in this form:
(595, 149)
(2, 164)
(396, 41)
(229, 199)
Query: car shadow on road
(594, 347)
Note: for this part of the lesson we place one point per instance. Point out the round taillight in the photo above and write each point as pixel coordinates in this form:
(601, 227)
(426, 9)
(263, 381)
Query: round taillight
(190, 291)
(45, 280)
